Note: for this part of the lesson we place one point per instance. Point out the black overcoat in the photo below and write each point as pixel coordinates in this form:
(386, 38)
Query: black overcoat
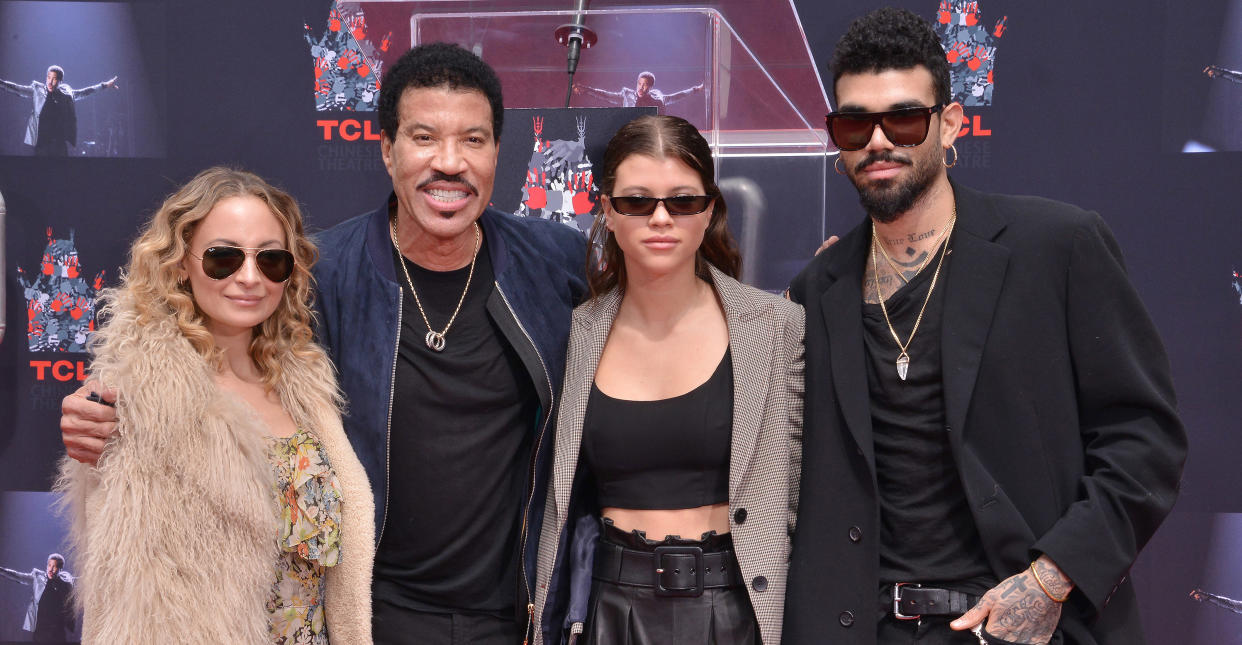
(1059, 408)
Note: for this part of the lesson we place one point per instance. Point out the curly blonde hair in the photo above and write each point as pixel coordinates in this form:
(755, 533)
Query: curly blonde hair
(154, 283)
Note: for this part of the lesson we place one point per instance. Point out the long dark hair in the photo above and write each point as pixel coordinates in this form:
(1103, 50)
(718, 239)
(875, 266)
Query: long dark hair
(661, 137)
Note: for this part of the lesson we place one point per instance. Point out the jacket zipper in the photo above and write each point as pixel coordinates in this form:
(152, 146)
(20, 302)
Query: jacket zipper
(392, 389)
(530, 592)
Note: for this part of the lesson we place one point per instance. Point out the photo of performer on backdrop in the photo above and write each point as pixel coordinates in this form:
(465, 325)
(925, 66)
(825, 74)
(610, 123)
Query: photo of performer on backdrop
(1217, 600)
(51, 610)
(643, 94)
(37, 571)
(1215, 71)
(82, 79)
(53, 123)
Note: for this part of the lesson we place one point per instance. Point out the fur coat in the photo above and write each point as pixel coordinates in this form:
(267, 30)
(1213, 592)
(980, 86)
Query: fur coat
(175, 530)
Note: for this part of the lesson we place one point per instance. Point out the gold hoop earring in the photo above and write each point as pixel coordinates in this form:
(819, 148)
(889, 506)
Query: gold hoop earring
(836, 165)
(945, 161)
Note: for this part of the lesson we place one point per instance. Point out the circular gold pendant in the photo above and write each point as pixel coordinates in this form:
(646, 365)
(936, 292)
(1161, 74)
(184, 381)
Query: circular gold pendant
(434, 340)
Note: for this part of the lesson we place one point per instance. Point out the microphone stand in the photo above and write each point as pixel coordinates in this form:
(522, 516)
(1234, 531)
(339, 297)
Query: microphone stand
(576, 36)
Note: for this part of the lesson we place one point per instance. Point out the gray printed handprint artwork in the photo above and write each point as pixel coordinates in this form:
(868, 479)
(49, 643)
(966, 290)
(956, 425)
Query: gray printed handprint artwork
(970, 48)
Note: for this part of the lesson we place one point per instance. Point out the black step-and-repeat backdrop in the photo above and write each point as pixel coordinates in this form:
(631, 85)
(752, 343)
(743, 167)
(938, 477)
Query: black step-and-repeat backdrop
(1133, 109)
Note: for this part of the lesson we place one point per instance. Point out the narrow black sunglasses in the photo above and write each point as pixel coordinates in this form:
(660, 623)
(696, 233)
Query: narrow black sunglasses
(904, 128)
(675, 205)
(220, 262)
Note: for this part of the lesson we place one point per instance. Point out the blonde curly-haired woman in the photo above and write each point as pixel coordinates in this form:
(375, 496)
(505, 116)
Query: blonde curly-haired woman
(229, 507)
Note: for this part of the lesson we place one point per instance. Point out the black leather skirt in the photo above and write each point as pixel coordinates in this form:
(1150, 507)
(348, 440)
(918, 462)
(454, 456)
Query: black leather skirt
(681, 603)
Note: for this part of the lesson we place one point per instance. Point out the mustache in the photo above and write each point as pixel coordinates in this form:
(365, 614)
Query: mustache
(885, 155)
(437, 176)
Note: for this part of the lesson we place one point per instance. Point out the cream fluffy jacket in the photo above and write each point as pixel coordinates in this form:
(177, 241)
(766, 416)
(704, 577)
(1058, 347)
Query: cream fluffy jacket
(175, 530)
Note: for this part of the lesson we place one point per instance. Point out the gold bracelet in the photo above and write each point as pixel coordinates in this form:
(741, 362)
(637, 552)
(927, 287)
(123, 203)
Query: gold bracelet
(1045, 588)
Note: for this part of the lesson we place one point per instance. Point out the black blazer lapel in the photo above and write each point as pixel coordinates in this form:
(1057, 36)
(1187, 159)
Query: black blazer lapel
(841, 308)
(976, 273)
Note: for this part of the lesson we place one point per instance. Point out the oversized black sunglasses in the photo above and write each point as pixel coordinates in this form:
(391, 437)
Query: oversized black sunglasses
(675, 205)
(904, 128)
(220, 262)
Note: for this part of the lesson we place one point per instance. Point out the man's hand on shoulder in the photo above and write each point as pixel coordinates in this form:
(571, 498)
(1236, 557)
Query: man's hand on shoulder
(1022, 608)
(85, 425)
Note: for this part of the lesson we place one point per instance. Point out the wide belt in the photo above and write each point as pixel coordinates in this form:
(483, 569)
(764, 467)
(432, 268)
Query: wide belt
(911, 601)
(670, 570)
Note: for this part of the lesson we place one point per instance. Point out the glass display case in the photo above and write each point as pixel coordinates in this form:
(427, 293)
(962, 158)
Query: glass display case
(740, 70)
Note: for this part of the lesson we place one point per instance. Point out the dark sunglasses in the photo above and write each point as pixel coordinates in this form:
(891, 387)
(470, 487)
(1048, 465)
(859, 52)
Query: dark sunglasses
(675, 205)
(904, 128)
(220, 262)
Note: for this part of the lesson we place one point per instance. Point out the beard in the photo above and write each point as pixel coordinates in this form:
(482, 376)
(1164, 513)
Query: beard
(886, 199)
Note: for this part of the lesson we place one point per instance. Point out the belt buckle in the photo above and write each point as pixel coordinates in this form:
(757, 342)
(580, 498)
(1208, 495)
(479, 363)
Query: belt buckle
(897, 601)
(696, 569)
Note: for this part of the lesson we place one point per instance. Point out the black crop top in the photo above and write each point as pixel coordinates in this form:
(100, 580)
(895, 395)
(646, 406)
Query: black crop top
(665, 454)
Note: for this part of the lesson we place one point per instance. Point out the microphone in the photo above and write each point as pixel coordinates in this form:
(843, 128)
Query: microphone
(576, 36)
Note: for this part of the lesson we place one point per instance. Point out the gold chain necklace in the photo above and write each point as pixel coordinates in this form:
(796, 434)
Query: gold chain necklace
(435, 339)
(903, 359)
(923, 265)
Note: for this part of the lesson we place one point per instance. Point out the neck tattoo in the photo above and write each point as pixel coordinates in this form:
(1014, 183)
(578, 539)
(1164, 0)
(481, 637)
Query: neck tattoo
(903, 359)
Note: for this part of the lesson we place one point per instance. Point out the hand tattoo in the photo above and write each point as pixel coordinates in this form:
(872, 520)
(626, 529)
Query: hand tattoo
(1016, 585)
(1021, 612)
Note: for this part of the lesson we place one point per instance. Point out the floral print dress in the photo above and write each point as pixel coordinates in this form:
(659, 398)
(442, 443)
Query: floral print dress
(310, 539)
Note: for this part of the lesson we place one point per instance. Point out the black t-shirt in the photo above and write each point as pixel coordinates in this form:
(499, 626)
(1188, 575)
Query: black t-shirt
(55, 609)
(648, 100)
(927, 533)
(55, 118)
(459, 453)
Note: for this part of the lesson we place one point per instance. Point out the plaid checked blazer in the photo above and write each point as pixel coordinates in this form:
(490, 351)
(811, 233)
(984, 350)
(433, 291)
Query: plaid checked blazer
(765, 339)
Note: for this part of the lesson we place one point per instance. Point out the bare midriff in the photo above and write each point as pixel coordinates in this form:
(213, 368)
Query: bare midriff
(688, 523)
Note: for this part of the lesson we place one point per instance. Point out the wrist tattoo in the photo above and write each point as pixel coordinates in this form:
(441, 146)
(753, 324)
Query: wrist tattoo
(1057, 583)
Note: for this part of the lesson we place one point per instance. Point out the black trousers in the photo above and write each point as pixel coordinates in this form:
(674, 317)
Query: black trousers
(400, 626)
(926, 631)
(623, 614)
(51, 148)
(934, 631)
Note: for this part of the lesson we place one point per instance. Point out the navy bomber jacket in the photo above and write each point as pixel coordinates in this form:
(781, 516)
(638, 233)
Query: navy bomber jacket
(539, 268)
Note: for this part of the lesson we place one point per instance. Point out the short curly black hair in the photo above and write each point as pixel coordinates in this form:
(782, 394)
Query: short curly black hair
(438, 65)
(892, 38)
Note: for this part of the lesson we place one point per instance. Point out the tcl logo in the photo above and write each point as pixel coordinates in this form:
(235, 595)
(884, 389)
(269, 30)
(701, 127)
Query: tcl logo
(348, 129)
(972, 126)
(59, 370)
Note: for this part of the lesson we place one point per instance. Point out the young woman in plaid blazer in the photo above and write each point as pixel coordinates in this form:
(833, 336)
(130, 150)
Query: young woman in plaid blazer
(678, 440)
